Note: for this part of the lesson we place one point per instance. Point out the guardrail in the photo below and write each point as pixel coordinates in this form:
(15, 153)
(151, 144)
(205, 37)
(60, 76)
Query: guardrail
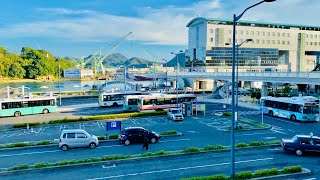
(280, 77)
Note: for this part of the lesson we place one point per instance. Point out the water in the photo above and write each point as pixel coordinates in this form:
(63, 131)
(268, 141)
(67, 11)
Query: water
(66, 85)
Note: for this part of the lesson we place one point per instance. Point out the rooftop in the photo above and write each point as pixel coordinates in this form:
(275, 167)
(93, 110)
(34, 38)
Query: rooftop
(257, 24)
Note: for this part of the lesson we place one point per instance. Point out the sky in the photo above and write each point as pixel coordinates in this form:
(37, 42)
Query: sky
(79, 28)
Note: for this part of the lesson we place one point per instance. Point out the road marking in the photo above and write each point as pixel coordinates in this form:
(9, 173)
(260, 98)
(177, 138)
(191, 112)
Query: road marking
(291, 130)
(270, 138)
(310, 179)
(178, 169)
(38, 152)
(278, 119)
(176, 140)
(257, 133)
(106, 167)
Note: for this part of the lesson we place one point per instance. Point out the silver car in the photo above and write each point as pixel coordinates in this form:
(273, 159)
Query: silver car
(73, 138)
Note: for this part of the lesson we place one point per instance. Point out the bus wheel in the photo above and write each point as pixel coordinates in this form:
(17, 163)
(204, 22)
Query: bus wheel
(17, 113)
(115, 104)
(45, 111)
(270, 113)
(293, 117)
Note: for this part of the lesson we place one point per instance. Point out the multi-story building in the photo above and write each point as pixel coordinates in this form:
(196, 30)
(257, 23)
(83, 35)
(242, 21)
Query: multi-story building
(275, 46)
(77, 73)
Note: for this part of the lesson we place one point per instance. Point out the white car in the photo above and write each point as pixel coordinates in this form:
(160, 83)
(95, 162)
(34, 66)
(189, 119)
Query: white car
(73, 138)
(175, 114)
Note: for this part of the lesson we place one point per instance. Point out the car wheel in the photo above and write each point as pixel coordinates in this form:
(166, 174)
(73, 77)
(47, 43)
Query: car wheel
(153, 140)
(293, 118)
(115, 104)
(64, 147)
(127, 142)
(17, 113)
(270, 113)
(298, 152)
(45, 111)
(92, 145)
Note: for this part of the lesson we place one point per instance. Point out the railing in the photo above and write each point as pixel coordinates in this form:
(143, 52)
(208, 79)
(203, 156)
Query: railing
(224, 89)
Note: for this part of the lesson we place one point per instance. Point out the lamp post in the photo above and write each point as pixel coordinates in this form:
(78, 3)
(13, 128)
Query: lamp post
(166, 73)
(177, 70)
(235, 19)
(59, 84)
(237, 79)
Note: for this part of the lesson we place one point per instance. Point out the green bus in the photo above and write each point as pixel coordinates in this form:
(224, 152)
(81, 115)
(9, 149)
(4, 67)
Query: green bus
(18, 107)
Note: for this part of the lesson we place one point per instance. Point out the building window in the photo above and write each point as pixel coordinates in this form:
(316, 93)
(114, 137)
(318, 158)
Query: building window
(278, 41)
(311, 36)
(315, 36)
(268, 41)
(311, 43)
(306, 35)
(229, 31)
(273, 33)
(288, 42)
(278, 34)
(315, 43)
(258, 33)
(211, 39)
(283, 42)
(307, 43)
(252, 32)
(288, 34)
(241, 32)
(247, 32)
(262, 41)
(268, 33)
(263, 33)
(258, 41)
(211, 30)
(283, 34)
(273, 41)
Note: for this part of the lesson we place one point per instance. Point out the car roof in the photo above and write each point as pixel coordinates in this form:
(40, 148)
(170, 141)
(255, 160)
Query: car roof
(307, 136)
(133, 128)
(73, 130)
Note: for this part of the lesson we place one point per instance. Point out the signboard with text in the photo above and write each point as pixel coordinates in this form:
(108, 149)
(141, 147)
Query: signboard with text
(113, 125)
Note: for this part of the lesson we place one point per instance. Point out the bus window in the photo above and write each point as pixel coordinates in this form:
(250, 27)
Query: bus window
(160, 101)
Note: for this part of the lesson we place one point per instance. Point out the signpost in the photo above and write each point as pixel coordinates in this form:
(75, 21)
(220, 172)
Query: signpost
(113, 125)
(200, 106)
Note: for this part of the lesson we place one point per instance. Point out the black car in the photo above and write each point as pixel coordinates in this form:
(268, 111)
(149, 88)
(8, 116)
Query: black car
(301, 144)
(135, 135)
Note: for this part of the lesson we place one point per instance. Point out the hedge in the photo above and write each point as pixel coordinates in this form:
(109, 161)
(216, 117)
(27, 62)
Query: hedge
(171, 132)
(292, 169)
(97, 117)
(113, 136)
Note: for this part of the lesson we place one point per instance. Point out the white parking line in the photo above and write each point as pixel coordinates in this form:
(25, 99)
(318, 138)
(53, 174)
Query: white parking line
(179, 169)
(176, 140)
(38, 152)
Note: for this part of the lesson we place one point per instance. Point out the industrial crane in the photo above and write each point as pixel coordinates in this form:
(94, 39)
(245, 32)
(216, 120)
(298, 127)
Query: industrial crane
(115, 45)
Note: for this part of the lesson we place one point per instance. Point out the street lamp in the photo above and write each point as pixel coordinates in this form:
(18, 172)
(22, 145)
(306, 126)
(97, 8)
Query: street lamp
(235, 19)
(177, 70)
(237, 78)
(166, 72)
(59, 84)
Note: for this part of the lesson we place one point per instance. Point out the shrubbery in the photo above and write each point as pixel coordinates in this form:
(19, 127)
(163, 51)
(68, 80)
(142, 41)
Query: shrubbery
(101, 137)
(266, 172)
(239, 145)
(171, 132)
(113, 136)
(243, 175)
(292, 169)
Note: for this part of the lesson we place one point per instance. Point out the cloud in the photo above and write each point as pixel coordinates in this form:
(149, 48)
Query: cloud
(163, 26)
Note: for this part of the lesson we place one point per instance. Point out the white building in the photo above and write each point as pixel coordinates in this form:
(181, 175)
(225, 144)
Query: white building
(275, 46)
(77, 73)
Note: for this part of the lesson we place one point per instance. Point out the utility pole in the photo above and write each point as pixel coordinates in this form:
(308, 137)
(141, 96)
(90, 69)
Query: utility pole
(177, 71)
(59, 84)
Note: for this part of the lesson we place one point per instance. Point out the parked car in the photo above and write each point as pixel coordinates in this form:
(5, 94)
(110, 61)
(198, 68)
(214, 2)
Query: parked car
(175, 114)
(73, 138)
(135, 135)
(301, 144)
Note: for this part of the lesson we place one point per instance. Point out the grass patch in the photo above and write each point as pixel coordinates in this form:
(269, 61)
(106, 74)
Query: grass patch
(46, 142)
(171, 132)
(213, 147)
(215, 177)
(292, 169)
(266, 172)
(191, 150)
(243, 175)
(101, 137)
(113, 136)
(20, 167)
(241, 145)
(227, 114)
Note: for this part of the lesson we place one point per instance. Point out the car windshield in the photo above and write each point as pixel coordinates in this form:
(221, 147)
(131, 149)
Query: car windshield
(175, 111)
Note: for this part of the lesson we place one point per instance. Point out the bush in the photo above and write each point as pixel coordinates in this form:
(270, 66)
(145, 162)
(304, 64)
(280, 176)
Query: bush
(242, 144)
(40, 165)
(20, 167)
(191, 150)
(162, 152)
(113, 136)
(243, 175)
(46, 142)
(227, 114)
(266, 172)
(257, 143)
(215, 147)
(169, 132)
(101, 137)
(215, 177)
(20, 144)
(292, 169)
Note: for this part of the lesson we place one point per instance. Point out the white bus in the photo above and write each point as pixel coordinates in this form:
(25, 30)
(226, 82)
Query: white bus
(114, 98)
(305, 108)
(130, 102)
(163, 101)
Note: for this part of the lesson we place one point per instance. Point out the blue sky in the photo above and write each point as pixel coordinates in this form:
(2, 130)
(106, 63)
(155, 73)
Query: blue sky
(79, 27)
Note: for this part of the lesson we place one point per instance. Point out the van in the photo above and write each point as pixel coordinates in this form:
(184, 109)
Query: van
(73, 138)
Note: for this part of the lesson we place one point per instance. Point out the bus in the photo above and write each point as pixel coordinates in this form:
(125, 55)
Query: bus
(304, 108)
(114, 98)
(130, 102)
(18, 107)
(164, 101)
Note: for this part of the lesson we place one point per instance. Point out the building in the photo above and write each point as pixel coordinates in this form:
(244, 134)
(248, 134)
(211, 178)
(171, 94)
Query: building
(76, 73)
(275, 46)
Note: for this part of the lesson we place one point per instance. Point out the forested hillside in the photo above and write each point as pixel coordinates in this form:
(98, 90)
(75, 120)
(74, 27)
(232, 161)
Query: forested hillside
(31, 63)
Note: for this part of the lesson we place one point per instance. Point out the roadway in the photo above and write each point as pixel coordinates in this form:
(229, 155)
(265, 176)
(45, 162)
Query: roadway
(180, 166)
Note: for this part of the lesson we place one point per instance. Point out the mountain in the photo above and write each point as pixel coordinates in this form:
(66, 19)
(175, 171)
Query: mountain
(137, 63)
(114, 60)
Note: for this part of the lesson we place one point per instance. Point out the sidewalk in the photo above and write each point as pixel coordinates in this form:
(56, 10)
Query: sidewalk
(228, 101)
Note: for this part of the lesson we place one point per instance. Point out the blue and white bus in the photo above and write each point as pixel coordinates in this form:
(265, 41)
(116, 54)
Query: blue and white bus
(304, 108)
(18, 107)
(114, 98)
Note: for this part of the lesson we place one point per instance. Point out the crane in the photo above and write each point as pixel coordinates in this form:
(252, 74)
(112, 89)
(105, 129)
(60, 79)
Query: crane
(115, 45)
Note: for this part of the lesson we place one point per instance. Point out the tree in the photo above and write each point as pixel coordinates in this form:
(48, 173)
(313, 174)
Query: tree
(302, 87)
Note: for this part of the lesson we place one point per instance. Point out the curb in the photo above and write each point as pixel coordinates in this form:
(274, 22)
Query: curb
(282, 176)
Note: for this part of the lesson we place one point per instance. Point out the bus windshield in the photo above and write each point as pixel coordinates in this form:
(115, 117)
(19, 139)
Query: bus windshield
(310, 110)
